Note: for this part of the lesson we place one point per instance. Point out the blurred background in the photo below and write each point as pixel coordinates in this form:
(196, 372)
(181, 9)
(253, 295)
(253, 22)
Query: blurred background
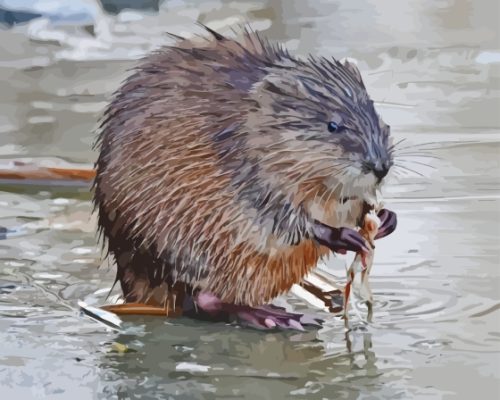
(433, 69)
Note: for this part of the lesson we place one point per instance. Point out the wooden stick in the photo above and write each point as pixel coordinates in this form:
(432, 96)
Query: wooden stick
(19, 170)
(141, 309)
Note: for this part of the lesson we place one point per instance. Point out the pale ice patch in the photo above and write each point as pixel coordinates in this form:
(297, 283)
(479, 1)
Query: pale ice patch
(41, 119)
(226, 24)
(46, 275)
(191, 367)
(15, 264)
(60, 201)
(104, 317)
(83, 261)
(130, 16)
(11, 149)
(488, 57)
(81, 250)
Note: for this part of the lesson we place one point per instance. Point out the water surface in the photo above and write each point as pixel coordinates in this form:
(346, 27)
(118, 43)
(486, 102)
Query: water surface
(433, 69)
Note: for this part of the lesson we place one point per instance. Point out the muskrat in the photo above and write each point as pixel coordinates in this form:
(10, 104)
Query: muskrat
(227, 168)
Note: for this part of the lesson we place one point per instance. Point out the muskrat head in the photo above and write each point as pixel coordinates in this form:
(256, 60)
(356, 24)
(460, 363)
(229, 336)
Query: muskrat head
(317, 131)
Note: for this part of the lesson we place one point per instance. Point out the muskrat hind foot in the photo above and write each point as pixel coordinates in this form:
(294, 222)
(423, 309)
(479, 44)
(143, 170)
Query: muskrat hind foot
(263, 317)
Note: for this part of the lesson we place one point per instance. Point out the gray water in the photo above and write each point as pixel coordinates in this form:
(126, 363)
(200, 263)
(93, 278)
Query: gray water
(433, 67)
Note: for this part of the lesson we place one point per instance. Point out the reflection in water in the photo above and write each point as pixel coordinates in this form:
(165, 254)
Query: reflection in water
(433, 70)
(228, 359)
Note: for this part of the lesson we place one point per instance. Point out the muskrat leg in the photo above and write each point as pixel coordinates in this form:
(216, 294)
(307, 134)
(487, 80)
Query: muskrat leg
(263, 317)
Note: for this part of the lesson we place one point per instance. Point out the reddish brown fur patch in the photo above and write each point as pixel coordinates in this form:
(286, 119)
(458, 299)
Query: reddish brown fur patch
(254, 279)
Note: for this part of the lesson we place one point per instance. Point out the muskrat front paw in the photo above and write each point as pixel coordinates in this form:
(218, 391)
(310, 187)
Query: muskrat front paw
(339, 239)
(388, 223)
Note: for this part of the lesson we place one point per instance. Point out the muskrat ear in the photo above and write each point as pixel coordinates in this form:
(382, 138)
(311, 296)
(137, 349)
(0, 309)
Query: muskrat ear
(350, 65)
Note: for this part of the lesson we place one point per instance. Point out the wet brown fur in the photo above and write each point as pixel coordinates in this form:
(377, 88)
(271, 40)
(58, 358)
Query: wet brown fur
(170, 200)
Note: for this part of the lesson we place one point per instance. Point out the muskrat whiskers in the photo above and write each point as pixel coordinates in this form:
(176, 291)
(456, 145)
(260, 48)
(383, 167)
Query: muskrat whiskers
(332, 191)
(417, 146)
(317, 172)
(416, 155)
(329, 191)
(341, 173)
(393, 146)
(417, 162)
(315, 189)
(408, 169)
(307, 163)
(311, 173)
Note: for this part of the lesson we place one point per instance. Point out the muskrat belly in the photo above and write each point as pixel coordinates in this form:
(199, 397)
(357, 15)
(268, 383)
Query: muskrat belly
(257, 279)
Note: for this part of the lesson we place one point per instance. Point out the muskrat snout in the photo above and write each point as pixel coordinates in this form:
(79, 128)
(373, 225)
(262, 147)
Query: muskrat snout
(379, 168)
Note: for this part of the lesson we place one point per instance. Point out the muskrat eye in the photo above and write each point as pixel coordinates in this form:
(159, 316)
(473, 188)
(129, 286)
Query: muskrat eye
(333, 127)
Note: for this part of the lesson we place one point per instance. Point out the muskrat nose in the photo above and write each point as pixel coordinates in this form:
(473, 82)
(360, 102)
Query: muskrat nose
(379, 169)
